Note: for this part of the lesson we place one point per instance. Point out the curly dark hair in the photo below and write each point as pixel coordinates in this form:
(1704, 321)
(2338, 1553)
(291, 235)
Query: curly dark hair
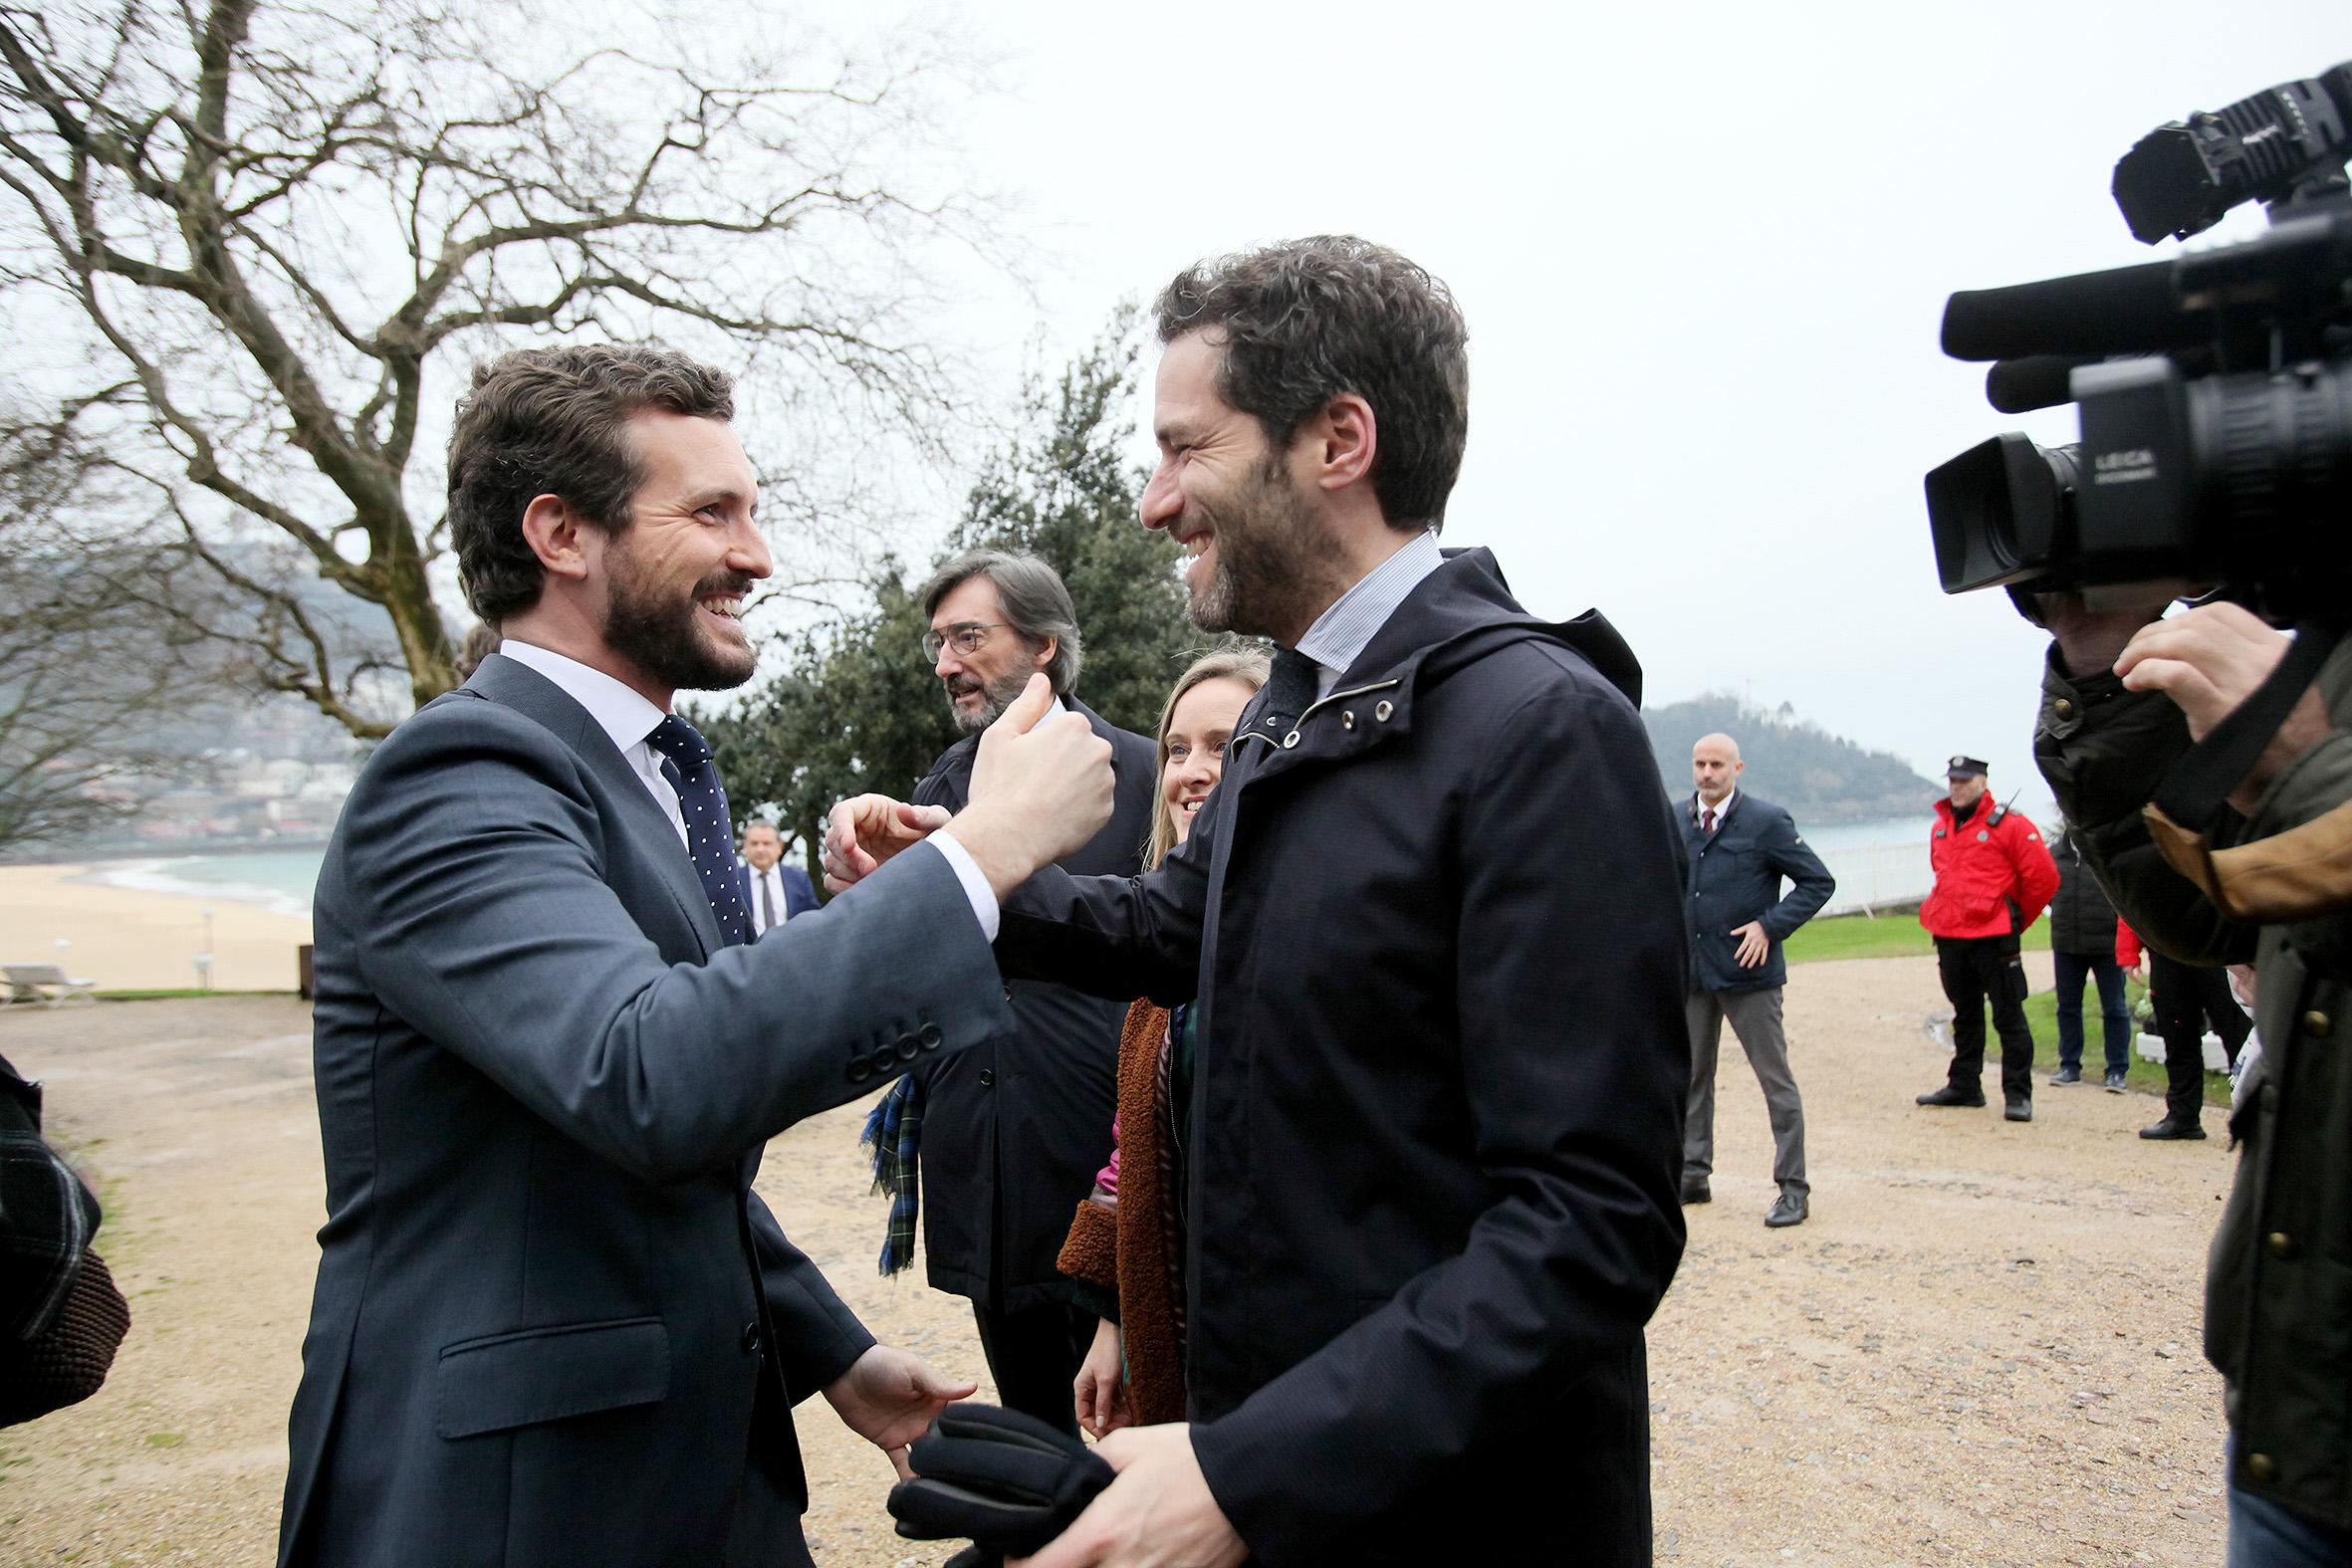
(550, 421)
(1303, 321)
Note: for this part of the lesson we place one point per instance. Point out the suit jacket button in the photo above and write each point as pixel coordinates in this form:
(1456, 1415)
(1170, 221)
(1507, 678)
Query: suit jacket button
(907, 1047)
(751, 1338)
(1381, 710)
(886, 1058)
(986, 1079)
(2261, 1467)
(930, 1038)
(858, 1071)
(2316, 1023)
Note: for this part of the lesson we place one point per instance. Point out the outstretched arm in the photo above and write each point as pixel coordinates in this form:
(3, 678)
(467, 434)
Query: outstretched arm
(474, 875)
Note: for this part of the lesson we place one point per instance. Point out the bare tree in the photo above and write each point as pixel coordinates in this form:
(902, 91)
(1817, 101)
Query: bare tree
(266, 232)
(87, 675)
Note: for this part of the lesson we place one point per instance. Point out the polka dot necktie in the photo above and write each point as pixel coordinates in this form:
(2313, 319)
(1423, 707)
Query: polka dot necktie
(710, 836)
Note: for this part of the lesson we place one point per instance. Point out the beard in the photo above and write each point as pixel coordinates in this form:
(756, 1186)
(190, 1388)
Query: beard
(1272, 572)
(662, 635)
(995, 697)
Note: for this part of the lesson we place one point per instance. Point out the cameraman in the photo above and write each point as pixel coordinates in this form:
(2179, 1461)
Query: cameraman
(2124, 696)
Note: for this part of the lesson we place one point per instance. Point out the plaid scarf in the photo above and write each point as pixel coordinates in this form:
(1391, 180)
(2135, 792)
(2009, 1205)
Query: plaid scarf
(894, 1131)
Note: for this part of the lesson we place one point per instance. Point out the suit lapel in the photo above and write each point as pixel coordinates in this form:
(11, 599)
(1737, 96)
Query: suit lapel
(515, 685)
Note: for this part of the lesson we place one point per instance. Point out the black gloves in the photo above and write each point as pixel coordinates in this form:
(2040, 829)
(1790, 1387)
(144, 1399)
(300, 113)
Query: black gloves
(1004, 1480)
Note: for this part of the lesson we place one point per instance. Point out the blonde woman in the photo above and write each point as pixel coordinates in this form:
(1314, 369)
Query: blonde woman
(1127, 1246)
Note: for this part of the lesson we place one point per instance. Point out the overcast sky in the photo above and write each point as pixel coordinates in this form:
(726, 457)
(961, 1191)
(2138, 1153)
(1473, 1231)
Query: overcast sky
(1703, 250)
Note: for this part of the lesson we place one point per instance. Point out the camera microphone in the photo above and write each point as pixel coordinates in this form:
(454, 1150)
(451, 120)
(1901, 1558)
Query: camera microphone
(2129, 310)
(2019, 387)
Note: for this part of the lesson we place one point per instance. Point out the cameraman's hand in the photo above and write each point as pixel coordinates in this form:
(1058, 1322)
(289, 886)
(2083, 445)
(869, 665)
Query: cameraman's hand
(2210, 659)
(2089, 641)
(1041, 789)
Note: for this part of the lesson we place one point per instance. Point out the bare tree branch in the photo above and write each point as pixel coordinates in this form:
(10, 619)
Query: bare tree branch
(276, 226)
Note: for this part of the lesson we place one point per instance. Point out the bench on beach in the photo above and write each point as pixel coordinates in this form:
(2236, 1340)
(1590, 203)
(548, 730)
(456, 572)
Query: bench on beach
(46, 984)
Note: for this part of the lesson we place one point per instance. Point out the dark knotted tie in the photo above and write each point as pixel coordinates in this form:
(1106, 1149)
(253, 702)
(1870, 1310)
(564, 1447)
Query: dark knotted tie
(1289, 692)
(710, 836)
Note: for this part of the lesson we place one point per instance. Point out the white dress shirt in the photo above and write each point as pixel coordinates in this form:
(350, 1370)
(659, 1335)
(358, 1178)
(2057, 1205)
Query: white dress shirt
(770, 881)
(619, 710)
(624, 714)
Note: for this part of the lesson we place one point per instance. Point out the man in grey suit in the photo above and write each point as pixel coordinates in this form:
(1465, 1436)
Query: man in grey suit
(552, 1323)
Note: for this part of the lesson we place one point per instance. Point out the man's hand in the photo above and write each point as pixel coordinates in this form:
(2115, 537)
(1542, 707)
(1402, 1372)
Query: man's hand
(2210, 659)
(1159, 1513)
(1041, 787)
(860, 834)
(890, 1397)
(1755, 946)
(1100, 1387)
(2089, 639)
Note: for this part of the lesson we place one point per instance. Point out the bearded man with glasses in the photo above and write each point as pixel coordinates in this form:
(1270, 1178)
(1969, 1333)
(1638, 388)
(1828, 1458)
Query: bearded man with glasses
(1007, 1143)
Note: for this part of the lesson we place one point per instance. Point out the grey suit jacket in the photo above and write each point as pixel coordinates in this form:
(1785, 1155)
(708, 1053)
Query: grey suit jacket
(552, 1325)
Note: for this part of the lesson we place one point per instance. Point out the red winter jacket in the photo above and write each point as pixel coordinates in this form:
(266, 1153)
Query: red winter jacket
(1993, 874)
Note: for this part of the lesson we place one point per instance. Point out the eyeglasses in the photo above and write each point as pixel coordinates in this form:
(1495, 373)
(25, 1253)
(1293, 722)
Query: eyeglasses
(967, 637)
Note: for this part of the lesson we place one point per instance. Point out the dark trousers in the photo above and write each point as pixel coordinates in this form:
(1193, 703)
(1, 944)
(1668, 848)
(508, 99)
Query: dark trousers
(1978, 971)
(2185, 998)
(1033, 1354)
(2115, 1014)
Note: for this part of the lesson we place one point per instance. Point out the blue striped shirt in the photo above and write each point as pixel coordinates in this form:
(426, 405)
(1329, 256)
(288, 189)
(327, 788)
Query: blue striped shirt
(1341, 633)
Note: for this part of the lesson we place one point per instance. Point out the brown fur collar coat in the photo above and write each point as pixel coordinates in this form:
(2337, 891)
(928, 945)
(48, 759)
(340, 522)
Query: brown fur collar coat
(1131, 1247)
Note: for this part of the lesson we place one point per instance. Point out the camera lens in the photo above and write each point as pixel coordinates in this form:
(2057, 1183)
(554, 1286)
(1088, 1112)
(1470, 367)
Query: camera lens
(1999, 511)
(2277, 456)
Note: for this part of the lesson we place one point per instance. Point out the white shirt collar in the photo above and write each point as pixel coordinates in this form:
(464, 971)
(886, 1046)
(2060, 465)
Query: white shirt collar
(619, 711)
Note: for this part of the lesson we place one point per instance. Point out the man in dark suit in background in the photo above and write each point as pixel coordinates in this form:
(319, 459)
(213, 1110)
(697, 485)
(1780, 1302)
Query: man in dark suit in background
(1739, 847)
(773, 892)
(1013, 1130)
(552, 1323)
(1430, 921)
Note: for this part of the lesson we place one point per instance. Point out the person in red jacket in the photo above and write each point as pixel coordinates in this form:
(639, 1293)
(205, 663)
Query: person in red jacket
(1993, 877)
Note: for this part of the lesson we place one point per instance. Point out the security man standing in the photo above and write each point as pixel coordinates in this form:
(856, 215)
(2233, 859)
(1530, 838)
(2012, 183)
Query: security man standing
(1740, 847)
(1993, 877)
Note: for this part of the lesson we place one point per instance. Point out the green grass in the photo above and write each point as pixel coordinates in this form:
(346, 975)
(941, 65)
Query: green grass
(1883, 936)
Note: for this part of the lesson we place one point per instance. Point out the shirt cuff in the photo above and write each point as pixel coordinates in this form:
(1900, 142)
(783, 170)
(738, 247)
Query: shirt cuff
(975, 888)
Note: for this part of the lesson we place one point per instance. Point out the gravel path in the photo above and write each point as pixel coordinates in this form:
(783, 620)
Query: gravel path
(1982, 1349)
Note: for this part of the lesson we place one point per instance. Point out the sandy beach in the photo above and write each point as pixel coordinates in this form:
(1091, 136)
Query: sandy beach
(1981, 1349)
(138, 939)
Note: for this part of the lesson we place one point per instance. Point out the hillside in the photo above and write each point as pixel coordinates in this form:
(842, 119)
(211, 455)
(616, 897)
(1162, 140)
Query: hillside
(1821, 778)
